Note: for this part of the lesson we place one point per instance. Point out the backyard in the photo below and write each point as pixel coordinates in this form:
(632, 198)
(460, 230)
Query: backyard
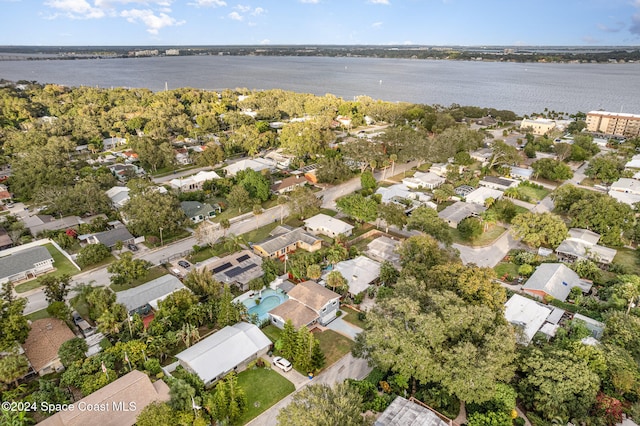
(352, 317)
(334, 346)
(263, 388)
(488, 237)
(628, 259)
(60, 262)
(155, 272)
(531, 194)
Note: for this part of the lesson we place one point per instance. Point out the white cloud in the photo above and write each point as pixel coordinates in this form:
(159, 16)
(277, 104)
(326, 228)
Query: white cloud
(265, 41)
(385, 2)
(310, 1)
(208, 3)
(243, 9)
(376, 25)
(154, 22)
(76, 9)
(258, 11)
(236, 16)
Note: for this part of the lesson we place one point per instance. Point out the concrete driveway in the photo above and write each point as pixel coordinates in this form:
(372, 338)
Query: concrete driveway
(490, 255)
(346, 329)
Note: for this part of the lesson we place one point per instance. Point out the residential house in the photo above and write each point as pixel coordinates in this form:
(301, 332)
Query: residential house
(634, 163)
(310, 172)
(624, 197)
(400, 194)
(520, 173)
(5, 240)
(119, 196)
(142, 298)
(193, 182)
(25, 264)
(111, 237)
(428, 180)
(237, 269)
(122, 401)
(182, 156)
(125, 171)
(441, 169)
(539, 126)
(309, 303)
(482, 155)
(197, 211)
(43, 342)
(327, 225)
(458, 211)
(499, 183)
(360, 273)
(583, 244)
(288, 184)
(626, 185)
(482, 194)
(463, 190)
(5, 195)
(595, 327)
(112, 143)
(284, 240)
(256, 164)
(554, 280)
(229, 349)
(384, 249)
(283, 161)
(528, 316)
(411, 412)
(44, 222)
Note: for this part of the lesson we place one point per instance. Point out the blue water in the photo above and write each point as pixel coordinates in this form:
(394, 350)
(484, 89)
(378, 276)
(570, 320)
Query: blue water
(270, 299)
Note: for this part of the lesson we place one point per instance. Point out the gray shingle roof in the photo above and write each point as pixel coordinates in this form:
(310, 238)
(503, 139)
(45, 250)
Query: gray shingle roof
(196, 208)
(403, 412)
(273, 244)
(110, 238)
(459, 211)
(22, 261)
(150, 292)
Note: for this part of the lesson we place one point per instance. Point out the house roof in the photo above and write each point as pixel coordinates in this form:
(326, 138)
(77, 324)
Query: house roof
(496, 180)
(425, 178)
(626, 185)
(149, 293)
(584, 235)
(624, 197)
(556, 280)
(256, 164)
(41, 223)
(580, 249)
(278, 242)
(526, 313)
(322, 221)
(384, 248)
(134, 387)
(596, 327)
(520, 171)
(297, 180)
(5, 239)
(459, 211)
(481, 194)
(196, 208)
(23, 260)
(200, 177)
(359, 272)
(111, 237)
(402, 412)
(312, 295)
(224, 350)
(118, 194)
(296, 312)
(44, 340)
(239, 267)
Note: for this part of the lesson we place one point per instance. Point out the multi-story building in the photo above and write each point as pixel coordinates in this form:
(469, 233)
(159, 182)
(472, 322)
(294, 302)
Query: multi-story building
(613, 123)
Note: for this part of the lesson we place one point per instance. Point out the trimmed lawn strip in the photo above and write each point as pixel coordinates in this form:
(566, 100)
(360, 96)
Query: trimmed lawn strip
(259, 234)
(485, 239)
(263, 388)
(334, 346)
(155, 272)
(106, 261)
(352, 317)
(33, 316)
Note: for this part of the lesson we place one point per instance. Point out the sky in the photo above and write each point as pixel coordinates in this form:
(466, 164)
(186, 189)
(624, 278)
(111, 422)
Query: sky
(300, 22)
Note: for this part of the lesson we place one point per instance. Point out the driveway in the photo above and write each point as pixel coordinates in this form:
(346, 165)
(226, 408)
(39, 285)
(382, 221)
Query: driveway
(490, 255)
(346, 329)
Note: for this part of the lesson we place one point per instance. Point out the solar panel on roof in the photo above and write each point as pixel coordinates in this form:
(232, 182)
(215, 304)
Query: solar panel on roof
(221, 268)
(242, 258)
(239, 270)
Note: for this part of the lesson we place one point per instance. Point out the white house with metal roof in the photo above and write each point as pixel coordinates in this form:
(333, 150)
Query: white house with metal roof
(427, 180)
(555, 280)
(229, 349)
(149, 294)
(360, 273)
(193, 182)
(527, 315)
(256, 164)
(410, 412)
(482, 194)
(25, 264)
(327, 225)
(583, 244)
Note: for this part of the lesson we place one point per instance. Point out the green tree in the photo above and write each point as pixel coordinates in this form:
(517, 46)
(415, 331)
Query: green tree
(368, 181)
(13, 367)
(55, 288)
(418, 254)
(92, 254)
(127, 269)
(470, 228)
(336, 281)
(72, 350)
(545, 229)
(314, 272)
(288, 341)
(393, 215)
(333, 170)
(362, 209)
(554, 170)
(628, 289)
(181, 394)
(303, 203)
(149, 211)
(256, 184)
(587, 269)
(603, 215)
(50, 393)
(59, 310)
(388, 273)
(608, 168)
(156, 414)
(228, 402)
(201, 282)
(304, 138)
(321, 405)
(238, 197)
(503, 154)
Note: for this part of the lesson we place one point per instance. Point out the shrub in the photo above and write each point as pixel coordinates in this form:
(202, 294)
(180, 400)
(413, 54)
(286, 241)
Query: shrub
(359, 298)
(260, 362)
(362, 316)
(339, 313)
(152, 365)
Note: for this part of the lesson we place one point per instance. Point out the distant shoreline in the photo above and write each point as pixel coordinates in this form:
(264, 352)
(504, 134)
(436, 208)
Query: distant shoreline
(531, 54)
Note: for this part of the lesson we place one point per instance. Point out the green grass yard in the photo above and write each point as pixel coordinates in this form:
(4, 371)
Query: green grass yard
(628, 259)
(155, 272)
(60, 262)
(486, 238)
(33, 316)
(272, 332)
(352, 317)
(334, 346)
(506, 268)
(534, 194)
(263, 388)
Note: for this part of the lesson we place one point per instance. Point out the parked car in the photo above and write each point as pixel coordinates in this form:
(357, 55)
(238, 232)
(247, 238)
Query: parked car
(132, 247)
(184, 264)
(282, 364)
(76, 317)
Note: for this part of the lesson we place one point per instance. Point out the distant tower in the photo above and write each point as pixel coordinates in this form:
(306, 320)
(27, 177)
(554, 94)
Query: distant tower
(166, 86)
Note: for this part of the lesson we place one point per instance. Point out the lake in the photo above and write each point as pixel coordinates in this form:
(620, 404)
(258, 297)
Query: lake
(523, 88)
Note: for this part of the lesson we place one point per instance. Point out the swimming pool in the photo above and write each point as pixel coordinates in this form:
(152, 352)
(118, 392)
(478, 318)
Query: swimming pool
(270, 299)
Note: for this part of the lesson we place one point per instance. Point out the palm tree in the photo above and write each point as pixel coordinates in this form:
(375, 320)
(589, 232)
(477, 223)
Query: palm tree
(234, 243)
(188, 334)
(225, 225)
(512, 192)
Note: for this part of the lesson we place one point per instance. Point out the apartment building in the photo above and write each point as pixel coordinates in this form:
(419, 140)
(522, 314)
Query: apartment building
(613, 123)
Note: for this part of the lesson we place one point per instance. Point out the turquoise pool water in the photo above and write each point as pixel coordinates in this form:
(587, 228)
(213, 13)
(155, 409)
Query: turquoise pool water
(270, 299)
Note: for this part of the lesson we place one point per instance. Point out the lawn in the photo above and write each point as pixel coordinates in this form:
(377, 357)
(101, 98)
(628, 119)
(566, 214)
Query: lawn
(263, 388)
(485, 239)
(104, 262)
(79, 303)
(507, 268)
(38, 315)
(352, 317)
(61, 263)
(628, 259)
(259, 234)
(272, 332)
(334, 345)
(155, 272)
(534, 194)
